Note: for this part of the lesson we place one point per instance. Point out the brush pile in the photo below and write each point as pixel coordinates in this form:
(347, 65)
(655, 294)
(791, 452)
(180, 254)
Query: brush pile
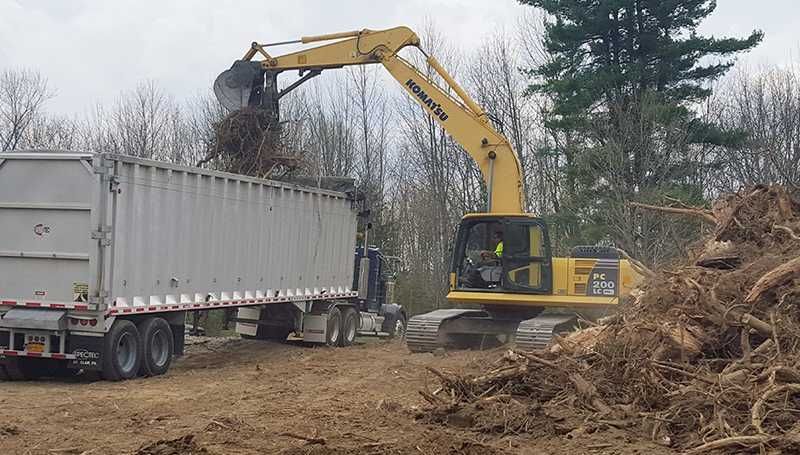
(705, 357)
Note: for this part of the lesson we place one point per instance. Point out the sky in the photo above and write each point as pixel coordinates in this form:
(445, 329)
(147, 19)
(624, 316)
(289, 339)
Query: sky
(91, 50)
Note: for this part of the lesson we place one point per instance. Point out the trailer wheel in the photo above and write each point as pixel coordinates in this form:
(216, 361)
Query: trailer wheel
(3, 374)
(157, 346)
(334, 332)
(122, 354)
(350, 326)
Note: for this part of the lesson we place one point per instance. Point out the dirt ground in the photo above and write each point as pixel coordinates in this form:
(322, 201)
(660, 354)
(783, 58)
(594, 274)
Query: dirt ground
(231, 396)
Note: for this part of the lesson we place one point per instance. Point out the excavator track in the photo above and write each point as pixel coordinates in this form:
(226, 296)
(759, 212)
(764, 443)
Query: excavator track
(422, 331)
(536, 333)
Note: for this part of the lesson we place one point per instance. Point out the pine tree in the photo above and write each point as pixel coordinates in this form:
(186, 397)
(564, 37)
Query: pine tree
(623, 78)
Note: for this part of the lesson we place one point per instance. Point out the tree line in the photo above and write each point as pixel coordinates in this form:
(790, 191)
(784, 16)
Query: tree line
(606, 103)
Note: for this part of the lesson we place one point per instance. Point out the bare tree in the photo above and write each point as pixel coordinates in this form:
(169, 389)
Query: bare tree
(23, 94)
(202, 113)
(148, 123)
(499, 85)
(53, 133)
(765, 108)
(140, 122)
(373, 127)
(328, 117)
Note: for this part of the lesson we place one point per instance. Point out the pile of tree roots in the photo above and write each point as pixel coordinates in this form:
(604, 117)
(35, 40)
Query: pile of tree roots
(705, 357)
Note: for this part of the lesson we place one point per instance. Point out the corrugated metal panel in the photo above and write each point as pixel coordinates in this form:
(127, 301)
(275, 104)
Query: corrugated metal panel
(183, 235)
(179, 235)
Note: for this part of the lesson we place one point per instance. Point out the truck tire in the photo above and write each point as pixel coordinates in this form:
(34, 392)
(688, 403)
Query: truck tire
(349, 326)
(333, 337)
(157, 346)
(122, 354)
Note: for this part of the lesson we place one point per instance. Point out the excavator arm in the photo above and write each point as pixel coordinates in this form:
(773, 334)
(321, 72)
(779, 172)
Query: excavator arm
(250, 82)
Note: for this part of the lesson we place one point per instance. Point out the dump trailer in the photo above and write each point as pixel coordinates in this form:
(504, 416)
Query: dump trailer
(102, 256)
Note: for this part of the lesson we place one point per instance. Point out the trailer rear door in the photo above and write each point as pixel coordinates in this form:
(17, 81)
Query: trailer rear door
(45, 234)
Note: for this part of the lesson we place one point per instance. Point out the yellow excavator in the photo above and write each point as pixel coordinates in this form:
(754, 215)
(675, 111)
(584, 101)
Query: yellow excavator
(502, 267)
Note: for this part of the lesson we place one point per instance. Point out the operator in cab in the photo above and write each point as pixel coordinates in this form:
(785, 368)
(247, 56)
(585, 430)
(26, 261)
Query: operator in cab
(490, 269)
(497, 239)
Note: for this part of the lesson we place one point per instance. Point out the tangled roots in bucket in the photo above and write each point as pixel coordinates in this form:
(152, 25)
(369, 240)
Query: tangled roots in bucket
(248, 142)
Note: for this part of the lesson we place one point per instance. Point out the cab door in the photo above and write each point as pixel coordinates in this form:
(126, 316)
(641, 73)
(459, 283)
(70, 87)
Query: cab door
(527, 261)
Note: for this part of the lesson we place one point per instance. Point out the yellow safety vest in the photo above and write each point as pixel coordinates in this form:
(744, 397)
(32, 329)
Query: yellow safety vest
(498, 251)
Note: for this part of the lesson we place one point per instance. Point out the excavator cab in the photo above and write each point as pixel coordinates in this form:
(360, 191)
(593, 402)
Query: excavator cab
(522, 264)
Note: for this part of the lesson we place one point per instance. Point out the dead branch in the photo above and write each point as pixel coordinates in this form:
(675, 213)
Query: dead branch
(501, 374)
(787, 230)
(784, 204)
(780, 373)
(740, 441)
(735, 313)
(431, 398)
(703, 214)
(539, 360)
(774, 278)
(588, 391)
(669, 367)
(309, 440)
(757, 413)
(438, 374)
(637, 265)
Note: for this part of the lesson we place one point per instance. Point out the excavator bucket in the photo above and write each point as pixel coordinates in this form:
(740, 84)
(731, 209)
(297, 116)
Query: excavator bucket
(240, 86)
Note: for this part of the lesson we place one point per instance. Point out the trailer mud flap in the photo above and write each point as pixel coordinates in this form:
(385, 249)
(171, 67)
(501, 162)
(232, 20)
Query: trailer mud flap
(88, 352)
